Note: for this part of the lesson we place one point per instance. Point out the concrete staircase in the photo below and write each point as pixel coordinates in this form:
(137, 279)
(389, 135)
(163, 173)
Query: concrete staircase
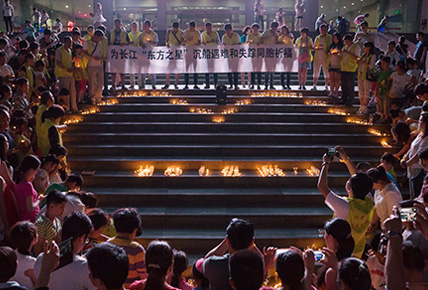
(192, 211)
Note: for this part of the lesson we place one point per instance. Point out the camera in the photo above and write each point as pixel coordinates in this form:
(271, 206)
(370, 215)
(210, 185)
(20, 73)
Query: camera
(332, 152)
(319, 256)
(408, 214)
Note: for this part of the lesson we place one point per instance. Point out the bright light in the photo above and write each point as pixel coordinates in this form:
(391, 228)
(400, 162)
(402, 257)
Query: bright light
(66, 6)
(352, 3)
(322, 6)
(89, 6)
(124, 8)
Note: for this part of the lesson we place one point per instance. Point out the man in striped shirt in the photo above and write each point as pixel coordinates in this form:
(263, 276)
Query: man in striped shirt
(127, 223)
(48, 224)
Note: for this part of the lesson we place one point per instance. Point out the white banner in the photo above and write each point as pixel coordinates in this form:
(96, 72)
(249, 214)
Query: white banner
(202, 59)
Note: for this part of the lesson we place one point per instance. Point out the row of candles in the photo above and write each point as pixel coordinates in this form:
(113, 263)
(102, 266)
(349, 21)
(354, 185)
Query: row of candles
(276, 94)
(227, 171)
(144, 94)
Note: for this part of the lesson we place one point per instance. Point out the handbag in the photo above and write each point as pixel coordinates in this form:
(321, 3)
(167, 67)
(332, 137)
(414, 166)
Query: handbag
(372, 74)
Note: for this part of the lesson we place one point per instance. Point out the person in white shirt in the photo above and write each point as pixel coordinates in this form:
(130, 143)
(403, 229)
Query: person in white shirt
(7, 16)
(415, 171)
(387, 195)
(73, 272)
(92, 49)
(58, 27)
(392, 53)
(399, 80)
(259, 12)
(44, 19)
(6, 71)
(376, 263)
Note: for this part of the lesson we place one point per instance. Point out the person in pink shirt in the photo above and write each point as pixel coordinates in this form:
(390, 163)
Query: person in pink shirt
(179, 266)
(26, 195)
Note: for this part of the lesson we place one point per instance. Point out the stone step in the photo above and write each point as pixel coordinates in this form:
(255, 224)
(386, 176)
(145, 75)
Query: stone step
(238, 150)
(213, 127)
(191, 179)
(209, 197)
(218, 138)
(216, 217)
(191, 117)
(200, 241)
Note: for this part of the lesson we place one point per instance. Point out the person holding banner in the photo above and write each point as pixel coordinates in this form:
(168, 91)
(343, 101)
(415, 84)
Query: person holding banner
(270, 37)
(149, 39)
(97, 55)
(210, 37)
(322, 46)
(174, 37)
(191, 37)
(348, 67)
(231, 38)
(118, 36)
(135, 40)
(245, 32)
(305, 45)
(286, 38)
(254, 38)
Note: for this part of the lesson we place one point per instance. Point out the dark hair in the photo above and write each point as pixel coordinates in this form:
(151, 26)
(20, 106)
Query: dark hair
(54, 112)
(29, 56)
(64, 92)
(89, 199)
(47, 32)
(148, 22)
(50, 158)
(29, 162)
(158, 260)
(424, 120)
(77, 46)
(58, 150)
(402, 65)
(34, 45)
(192, 23)
(274, 24)
(364, 23)
(227, 26)
(180, 265)
(90, 27)
(421, 34)
(392, 42)
(2, 53)
(39, 63)
(75, 32)
(389, 158)
(420, 89)
(378, 174)
(304, 30)
(3, 42)
(255, 25)
(323, 25)
(355, 274)
(291, 269)
(76, 178)
(20, 82)
(340, 230)
(386, 59)
(413, 258)
(75, 225)
(246, 270)
(99, 218)
(374, 245)
(3, 141)
(370, 45)
(199, 276)
(98, 32)
(8, 263)
(23, 44)
(22, 235)
(246, 28)
(126, 220)
(363, 166)
(18, 122)
(175, 24)
(361, 185)
(109, 263)
(55, 197)
(45, 97)
(348, 37)
(240, 234)
(339, 45)
(402, 131)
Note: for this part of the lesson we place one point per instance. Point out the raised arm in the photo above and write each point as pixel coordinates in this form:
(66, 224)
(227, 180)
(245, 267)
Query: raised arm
(323, 178)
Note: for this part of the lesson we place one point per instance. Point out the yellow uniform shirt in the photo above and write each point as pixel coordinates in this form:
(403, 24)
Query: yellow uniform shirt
(254, 39)
(191, 37)
(149, 37)
(269, 37)
(285, 40)
(134, 38)
(234, 40)
(210, 38)
(176, 40)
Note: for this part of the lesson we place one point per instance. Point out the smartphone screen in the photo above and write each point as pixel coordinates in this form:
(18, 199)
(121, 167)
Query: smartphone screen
(65, 253)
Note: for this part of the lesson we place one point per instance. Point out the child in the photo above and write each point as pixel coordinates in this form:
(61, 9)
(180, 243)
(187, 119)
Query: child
(23, 236)
(63, 99)
(20, 98)
(198, 275)
(42, 182)
(80, 72)
(60, 174)
(6, 96)
(23, 143)
(50, 134)
(179, 266)
(127, 222)
(383, 87)
(399, 80)
(46, 101)
(48, 224)
(26, 71)
(39, 73)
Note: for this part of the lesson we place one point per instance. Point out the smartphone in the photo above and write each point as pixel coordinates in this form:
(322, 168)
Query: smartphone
(408, 214)
(319, 256)
(332, 152)
(65, 253)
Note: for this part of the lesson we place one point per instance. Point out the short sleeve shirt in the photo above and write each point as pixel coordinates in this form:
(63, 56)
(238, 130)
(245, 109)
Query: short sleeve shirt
(175, 38)
(149, 37)
(233, 40)
(339, 205)
(216, 269)
(254, 39)
(46, 229)
(191, 37)
(210, 38)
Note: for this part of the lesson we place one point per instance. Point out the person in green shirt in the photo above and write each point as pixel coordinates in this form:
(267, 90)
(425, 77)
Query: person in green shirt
(383, 87)
(72, 183)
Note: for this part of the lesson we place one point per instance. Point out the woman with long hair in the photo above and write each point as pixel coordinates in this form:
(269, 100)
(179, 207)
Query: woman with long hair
(334, 68)
(366, 63)
(305, 45)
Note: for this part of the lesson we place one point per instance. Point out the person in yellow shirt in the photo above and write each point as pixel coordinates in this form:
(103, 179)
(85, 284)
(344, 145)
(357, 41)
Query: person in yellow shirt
(254, 38)
(91, 31)
(174, 37)
(231, 38)
(210, 37)
(149, 39)
(270, 37)
(286, 38)
(135, 40)
(322, 45)
(118, 36)
(191, 37)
